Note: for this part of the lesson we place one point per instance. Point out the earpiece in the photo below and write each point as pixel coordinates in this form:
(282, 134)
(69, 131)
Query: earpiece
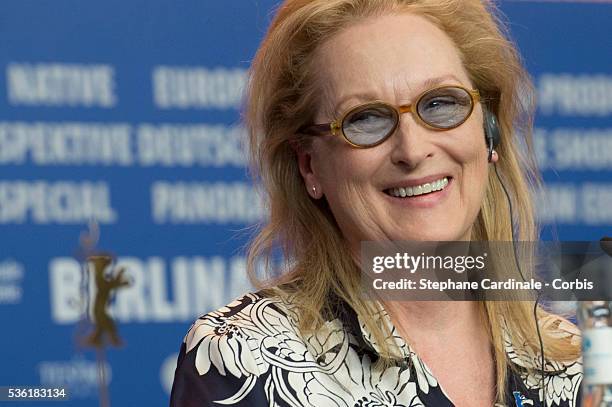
(491, 130)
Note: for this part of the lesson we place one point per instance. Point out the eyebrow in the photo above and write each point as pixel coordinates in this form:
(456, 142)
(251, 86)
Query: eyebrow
(423, 86)
(438, 80)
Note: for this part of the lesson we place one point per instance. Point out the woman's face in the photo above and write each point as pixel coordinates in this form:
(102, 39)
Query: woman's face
(394, 59)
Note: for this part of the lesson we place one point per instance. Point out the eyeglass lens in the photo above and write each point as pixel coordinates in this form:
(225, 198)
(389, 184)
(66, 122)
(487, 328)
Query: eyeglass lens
(442, 108)
(369, 125)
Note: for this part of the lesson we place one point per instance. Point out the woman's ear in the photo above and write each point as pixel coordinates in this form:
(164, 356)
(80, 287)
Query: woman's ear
(313, 187)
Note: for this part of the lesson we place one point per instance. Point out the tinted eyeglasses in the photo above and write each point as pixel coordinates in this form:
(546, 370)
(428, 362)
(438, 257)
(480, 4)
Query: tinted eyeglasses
(369, 124)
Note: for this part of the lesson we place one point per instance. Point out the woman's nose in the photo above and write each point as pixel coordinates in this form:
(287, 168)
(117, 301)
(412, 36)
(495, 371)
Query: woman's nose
(411, 142)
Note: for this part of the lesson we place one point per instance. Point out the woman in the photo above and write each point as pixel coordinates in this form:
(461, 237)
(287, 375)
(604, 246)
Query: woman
(343, 159)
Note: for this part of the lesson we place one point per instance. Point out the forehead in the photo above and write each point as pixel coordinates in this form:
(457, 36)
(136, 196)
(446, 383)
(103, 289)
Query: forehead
(390, 57)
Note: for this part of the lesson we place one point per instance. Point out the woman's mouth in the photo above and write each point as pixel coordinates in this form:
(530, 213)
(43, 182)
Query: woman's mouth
(418, 190)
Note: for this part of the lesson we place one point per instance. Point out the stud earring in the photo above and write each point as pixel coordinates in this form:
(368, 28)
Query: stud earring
(315, 194)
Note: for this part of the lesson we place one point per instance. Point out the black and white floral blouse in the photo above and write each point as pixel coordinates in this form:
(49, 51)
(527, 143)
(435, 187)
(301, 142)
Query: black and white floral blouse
(250, 353)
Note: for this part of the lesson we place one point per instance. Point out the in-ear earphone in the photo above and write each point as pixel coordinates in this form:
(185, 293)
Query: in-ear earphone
(491, 130)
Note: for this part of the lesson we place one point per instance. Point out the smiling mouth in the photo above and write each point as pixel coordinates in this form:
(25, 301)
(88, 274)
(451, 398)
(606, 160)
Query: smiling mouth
(418, 190)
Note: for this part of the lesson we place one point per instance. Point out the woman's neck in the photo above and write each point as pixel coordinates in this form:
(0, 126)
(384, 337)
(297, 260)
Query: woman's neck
(437, 320)
(450, 337)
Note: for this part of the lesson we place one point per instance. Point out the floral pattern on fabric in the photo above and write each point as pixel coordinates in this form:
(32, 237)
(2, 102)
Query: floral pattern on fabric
(250, 353)
(561, 380)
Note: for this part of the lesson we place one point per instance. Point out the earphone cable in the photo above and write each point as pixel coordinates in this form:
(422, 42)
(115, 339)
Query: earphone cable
(535, 306)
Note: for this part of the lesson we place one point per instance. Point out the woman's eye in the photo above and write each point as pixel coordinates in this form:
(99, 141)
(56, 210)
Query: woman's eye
(367, 116)
(440, 103)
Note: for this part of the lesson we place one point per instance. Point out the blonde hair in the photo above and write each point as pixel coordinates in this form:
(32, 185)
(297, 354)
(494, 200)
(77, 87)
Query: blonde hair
(283, 96)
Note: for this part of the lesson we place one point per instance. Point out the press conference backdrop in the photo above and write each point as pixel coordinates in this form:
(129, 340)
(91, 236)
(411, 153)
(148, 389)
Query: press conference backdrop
(128, 112)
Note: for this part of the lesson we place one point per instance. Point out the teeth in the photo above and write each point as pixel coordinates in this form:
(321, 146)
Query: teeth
(419, 189)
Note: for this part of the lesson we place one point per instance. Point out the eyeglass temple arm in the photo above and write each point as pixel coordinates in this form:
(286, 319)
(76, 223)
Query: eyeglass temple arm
(476, 95)
(319, 129)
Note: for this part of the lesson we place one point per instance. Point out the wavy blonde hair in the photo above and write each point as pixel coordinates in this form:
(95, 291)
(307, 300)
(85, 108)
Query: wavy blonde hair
(283, 95)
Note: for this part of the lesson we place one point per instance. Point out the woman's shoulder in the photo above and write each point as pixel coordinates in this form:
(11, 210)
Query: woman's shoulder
(562, 376)
(226, 351)
(237, 331)
(561, 334)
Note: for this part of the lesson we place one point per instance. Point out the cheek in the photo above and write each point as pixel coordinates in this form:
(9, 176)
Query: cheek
(339, 166)
(472, 156)
(345, 175)
(471, 147)
(476, 185)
